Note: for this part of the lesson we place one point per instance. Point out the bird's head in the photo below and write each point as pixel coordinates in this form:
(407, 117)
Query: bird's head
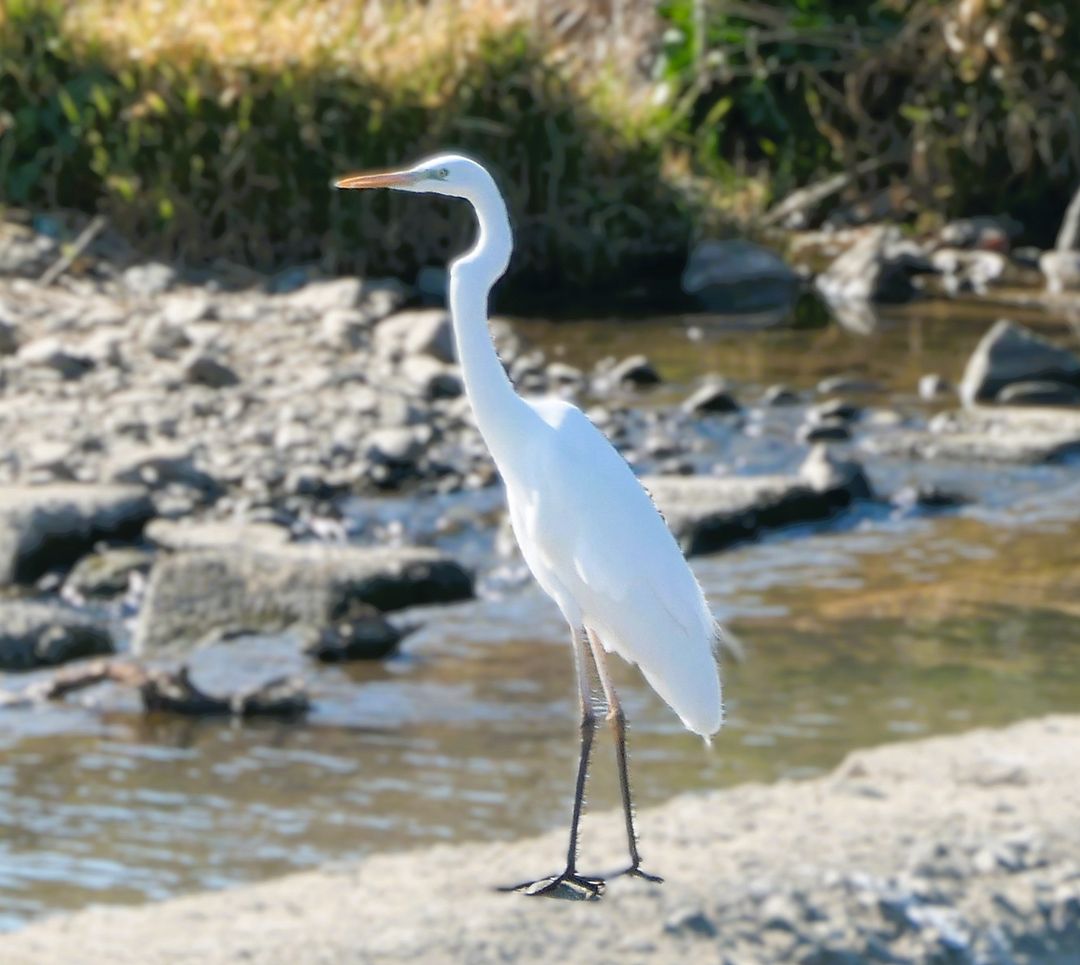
(449, 174)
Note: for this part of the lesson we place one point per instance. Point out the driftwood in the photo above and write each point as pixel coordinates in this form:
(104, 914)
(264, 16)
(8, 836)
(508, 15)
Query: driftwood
(67, 259)
(169, 691)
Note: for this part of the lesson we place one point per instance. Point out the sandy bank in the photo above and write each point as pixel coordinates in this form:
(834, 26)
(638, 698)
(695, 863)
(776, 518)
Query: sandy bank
(951, 849)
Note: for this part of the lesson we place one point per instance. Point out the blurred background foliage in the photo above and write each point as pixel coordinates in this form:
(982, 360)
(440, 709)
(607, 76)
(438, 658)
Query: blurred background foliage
(620, 128)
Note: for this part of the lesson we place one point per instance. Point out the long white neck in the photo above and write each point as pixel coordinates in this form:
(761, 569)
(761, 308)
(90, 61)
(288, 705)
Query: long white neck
(501, 415)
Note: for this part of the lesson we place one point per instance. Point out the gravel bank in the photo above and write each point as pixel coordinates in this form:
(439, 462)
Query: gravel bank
(957, 849)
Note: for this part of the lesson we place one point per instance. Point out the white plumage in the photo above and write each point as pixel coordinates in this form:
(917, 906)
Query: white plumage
(589, 532)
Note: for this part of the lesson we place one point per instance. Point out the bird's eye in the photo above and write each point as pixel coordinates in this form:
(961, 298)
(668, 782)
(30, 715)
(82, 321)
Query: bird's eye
(444, 173)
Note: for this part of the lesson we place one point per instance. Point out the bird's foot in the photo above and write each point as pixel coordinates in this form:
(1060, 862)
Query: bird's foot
(634, 871)
(569, 886)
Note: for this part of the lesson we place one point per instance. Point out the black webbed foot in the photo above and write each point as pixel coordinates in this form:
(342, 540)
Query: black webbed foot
(634, 871)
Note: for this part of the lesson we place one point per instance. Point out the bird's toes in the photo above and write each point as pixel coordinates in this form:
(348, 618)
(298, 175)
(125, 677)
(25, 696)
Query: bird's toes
(567, 886)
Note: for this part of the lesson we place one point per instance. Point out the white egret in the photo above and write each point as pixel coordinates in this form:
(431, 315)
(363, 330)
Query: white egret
(587, 529)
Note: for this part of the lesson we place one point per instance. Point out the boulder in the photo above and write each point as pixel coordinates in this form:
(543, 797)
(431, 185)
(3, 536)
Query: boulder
(999, 435)
(171, 534)
(710, 513)
(202, 368)
(425, 331)
(1009, 353)
(636, 371)
(38, 634)
(51, 353)
(877, 268)
(1061, 269)
(107, 573)
(148, 280)
(712, 397)
(739, 277)
(193, 593)
(365, 635)
(51, 526)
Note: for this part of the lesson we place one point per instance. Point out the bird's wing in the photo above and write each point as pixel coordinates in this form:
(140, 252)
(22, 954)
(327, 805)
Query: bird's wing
(613, 551)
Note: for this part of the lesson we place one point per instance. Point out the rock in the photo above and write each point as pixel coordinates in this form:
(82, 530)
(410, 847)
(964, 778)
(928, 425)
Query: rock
(1005, 435)
(690, 921)
(1061, 269)
(46, 634)
(366, 635)
(986, 232)
(345, 328)
(425, 331)
(833, 409)
(1039, 393)
(47, 527)
(195, 592)
(399, 446)
(203, 369)
(739, 277)
(159, 466)
(876, 268)
(926, 496)
(24, 252)
(1009, 353)
(431, 378)
(711, 397)
(9, 338)
(933, 386)
(847, 383)
(186, 308)
(707, 514)
(187, 535)
(107, 573)
(969, 271)
(152, 278)
(164, 339)
(52, 354)
(320, 297)
(636, 371)
(779, 395)
(823, 430)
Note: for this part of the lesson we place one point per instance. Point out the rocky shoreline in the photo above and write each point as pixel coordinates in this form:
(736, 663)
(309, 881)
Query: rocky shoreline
(168, 440)
(953, 849)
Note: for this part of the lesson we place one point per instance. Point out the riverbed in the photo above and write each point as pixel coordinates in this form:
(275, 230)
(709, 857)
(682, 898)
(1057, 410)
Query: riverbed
(891, 623)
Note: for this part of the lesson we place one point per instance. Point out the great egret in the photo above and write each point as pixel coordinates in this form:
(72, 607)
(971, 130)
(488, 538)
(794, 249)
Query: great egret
(587, 529)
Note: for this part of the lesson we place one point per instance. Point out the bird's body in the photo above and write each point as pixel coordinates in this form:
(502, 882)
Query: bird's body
(588, 531)
(598, 547)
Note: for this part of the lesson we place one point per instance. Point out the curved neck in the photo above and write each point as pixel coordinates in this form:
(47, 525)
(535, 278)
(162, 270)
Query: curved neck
(498, 410)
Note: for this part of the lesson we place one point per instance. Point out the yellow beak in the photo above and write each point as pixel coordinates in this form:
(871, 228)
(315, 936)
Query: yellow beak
(377, 179)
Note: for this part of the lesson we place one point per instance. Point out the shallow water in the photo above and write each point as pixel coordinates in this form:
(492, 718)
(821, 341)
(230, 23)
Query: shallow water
(887, 626)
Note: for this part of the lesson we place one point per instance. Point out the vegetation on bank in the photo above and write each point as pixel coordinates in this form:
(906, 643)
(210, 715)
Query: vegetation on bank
(211, 129)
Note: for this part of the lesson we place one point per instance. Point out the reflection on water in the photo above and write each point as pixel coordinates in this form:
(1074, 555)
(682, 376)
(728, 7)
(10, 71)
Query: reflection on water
(890, 627)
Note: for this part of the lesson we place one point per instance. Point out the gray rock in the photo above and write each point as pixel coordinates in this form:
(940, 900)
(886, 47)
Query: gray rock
(711, 397)
(779, 395)
(345, 328)
(203, 369)
(187, 535)
(1061, 270)
(51, 353)
(848, 383)
(164, 339)
(46, 527)
(152, 278)
(46, 634)
(365, 635)
(187, 308)
(1009, 353)
(24, 252)
(159, 466)
(426, 331)
(836, 409)
(970, 271)
(320, 297)
(933, 386)
(636, 371)
(1004, 435)
(1039, 393)
(395, 445)
(823, 430)
(708, 514)
(9, 338)
(736, 277)
(989, 232)
(107, 573)
(877, 268)
(431, 378)
(193, 593)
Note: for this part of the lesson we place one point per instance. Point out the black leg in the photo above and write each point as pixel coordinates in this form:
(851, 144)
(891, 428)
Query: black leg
(569, 884)
(618, 726)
